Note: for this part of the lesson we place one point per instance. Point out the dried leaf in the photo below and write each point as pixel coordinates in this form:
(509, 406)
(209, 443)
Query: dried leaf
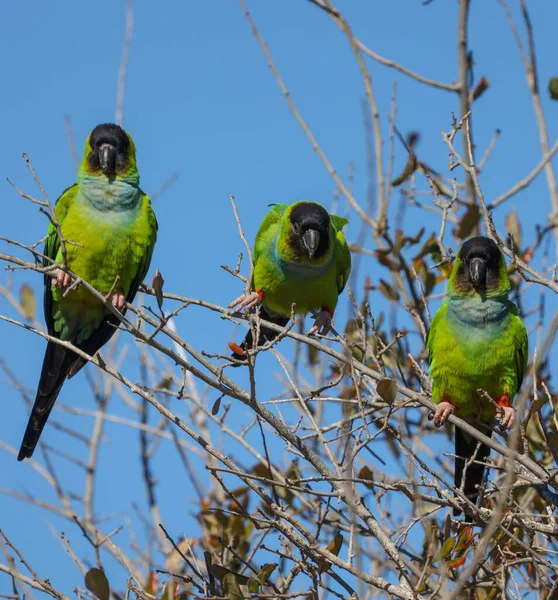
(513, 228)
(385, 260)
(413, 138)
(465, 539)
(216, 406)
(388, 291)
(553, 88)
(366, 473)
(313, 355)
(535, 406)
(152, 583)
(174, 560)
(28, 302)
(220, 573)
(468, 222)
(157, 286)
(387, 390)
(453, 564)
(97, 583)
(442, 189)
(482, 86)
(409, 169)
(430, 248)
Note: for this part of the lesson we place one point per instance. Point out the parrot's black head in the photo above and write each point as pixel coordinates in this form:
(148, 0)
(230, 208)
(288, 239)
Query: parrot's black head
(481, 265)
(110, 149)
(309, 229)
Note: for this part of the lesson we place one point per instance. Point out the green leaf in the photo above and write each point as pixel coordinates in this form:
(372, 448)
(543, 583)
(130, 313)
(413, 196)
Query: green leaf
(334, 547)
(221, 573)
(446, 549)
(231, 587)
(553, 88)
(387, 390)
(28, 302)
(265, 572)
(253, 585)
(97, 583)
(261, 578)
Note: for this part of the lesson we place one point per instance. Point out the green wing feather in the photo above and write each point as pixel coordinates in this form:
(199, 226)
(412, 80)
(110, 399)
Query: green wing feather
(343, 254)
(438, 317)
(52, 246)
(521, 341)
(272, 218)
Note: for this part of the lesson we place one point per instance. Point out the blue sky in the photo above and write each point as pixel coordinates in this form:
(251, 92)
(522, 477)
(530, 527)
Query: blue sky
(201, 102)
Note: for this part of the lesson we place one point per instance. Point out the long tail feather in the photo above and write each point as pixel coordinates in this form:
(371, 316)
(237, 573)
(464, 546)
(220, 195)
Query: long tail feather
(57, 363)
(266, 334)
(465, 447)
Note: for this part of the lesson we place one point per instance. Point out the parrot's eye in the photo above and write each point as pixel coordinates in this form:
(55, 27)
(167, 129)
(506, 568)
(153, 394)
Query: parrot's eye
(296, 228)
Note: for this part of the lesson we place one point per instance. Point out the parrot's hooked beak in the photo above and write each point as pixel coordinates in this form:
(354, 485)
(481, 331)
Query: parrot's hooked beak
(310, 241)
(107, 159)
(477, 272)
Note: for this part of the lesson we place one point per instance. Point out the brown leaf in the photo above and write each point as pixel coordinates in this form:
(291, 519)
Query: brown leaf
(28, 302)
(366, 473)
(468, 222)
(409, 169)
(387, 390)
(157, 284)
(513, 227)
(97, 583)
(465, 539)
(221, 573)
(482, 86)
(216, 406)
(388, 291)
(535, 406)
(453, 564)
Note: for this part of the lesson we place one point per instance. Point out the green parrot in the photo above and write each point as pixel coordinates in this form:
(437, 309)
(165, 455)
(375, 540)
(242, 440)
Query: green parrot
(477, 341)
(300, 256)
(109, 230)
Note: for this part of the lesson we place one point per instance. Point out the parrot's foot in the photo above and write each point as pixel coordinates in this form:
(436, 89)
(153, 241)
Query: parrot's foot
(322, 322)
(506, 416)
(61, 280)
(247, 301)
(442, 414)
(118, 301)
